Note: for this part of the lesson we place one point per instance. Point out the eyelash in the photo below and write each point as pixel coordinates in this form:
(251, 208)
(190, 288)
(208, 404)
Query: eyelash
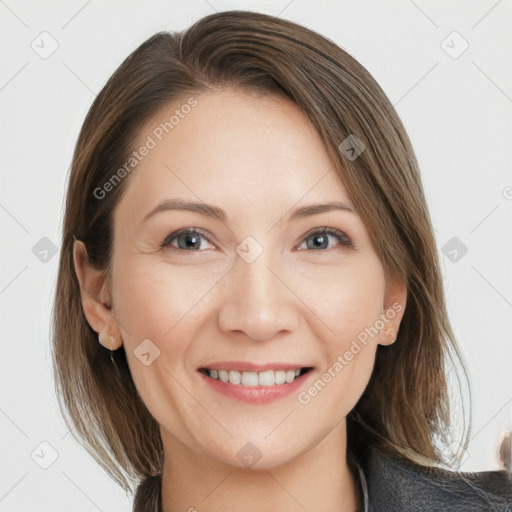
(342, 237)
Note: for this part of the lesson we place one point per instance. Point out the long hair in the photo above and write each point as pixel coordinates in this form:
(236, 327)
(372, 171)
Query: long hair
(405, 409)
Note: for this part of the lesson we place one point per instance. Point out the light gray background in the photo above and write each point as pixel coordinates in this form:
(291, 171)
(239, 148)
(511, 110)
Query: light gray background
(457, 112)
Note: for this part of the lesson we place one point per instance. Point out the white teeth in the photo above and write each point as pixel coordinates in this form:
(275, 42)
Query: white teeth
(279, 377)
(290, 375)
(235, 377)
(266, 378)
(249, 379)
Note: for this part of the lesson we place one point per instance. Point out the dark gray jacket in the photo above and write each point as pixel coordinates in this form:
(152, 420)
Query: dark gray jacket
(389, 484)
(392, 484)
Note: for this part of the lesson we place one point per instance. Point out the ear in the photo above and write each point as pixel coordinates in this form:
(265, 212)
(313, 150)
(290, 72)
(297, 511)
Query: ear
(95, 298)
(395, 299)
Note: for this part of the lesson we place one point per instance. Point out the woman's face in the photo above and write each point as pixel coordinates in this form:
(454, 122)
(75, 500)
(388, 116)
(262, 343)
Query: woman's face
(257, 290)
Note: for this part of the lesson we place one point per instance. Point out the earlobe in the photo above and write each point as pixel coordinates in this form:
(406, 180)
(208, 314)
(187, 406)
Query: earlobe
(394, 303)
(388, 337)
(110, 341)
(94, 297)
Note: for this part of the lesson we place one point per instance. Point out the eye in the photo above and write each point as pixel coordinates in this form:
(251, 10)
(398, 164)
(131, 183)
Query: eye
(187, 239)
(320, 238)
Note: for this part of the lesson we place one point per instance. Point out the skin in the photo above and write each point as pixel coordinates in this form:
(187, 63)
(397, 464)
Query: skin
(257, 157)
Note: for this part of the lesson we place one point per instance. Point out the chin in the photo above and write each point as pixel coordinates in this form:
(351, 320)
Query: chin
(256, 453)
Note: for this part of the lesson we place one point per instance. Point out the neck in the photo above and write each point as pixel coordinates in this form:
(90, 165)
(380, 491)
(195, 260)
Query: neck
(318, 479)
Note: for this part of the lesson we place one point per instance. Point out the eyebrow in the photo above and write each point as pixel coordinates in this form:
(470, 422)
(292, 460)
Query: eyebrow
(219, 214)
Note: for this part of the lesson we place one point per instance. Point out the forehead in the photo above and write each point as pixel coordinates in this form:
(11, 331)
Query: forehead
(233, 148)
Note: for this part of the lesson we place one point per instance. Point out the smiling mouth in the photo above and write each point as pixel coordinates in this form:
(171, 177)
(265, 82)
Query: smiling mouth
(252, 379)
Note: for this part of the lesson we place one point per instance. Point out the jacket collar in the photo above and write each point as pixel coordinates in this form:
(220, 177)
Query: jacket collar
(391, 482)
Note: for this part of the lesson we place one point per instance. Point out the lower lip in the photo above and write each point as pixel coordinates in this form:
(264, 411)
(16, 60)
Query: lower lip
(256, 394)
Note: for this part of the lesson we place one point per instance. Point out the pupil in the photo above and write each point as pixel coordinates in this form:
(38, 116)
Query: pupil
(192, 241)
(323, 241)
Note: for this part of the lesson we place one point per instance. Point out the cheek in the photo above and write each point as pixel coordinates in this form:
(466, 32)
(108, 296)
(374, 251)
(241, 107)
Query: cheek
(348, 302)
(154, 300)
(158, 310)
(150, 307)
(346, 299)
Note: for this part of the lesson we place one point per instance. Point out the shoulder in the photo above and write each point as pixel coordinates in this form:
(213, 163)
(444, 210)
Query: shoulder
(398, 484)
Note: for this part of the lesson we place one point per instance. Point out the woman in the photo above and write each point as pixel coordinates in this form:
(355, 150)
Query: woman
(249, 308)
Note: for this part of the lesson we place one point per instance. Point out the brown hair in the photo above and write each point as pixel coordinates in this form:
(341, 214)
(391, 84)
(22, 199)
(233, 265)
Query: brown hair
(405, 407)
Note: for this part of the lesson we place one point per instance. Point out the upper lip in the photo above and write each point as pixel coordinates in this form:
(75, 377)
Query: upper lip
(245, 366)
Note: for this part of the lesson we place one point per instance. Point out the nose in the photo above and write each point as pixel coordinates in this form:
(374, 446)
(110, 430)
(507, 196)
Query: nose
(257, 300)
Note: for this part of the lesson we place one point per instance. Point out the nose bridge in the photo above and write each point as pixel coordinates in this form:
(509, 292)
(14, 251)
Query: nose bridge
(257, 302)
(261, 285)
